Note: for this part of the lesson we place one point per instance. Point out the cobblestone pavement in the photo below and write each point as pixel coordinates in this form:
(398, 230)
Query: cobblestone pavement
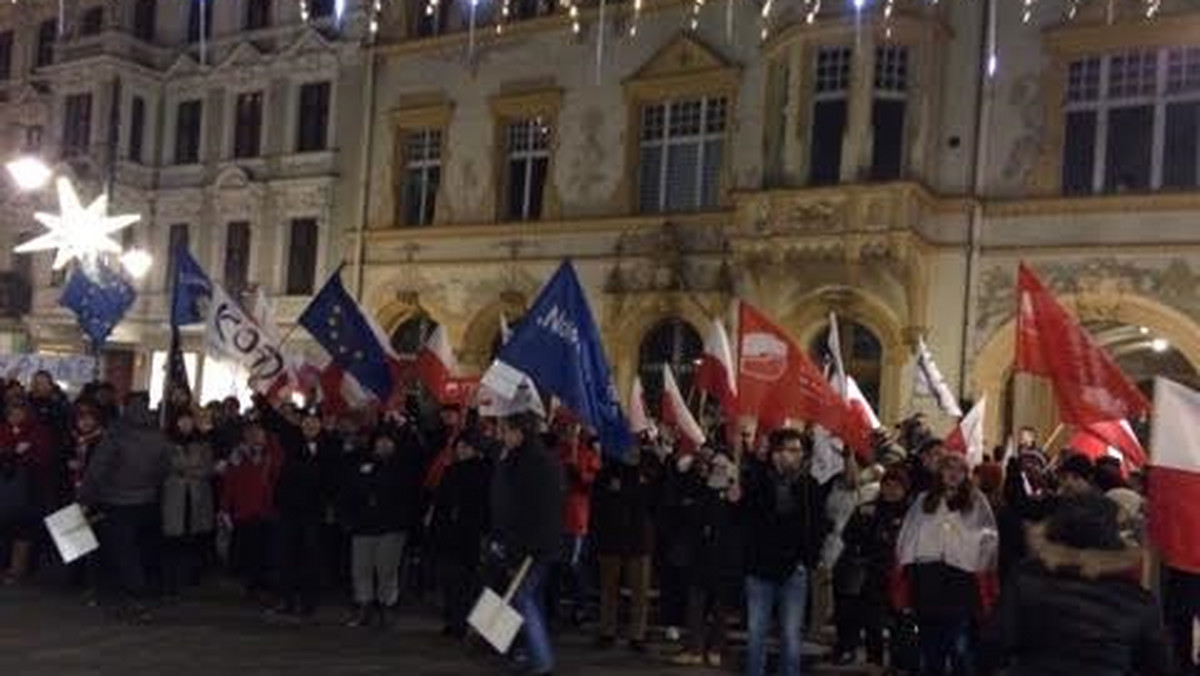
(50, 632)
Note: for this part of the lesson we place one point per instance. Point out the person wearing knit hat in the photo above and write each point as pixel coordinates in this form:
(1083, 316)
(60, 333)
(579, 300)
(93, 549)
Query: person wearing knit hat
(1075, 606)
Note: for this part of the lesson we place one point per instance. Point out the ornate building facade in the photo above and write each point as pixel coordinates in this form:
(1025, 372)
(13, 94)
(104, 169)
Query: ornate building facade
(861, 162)
(222, 123)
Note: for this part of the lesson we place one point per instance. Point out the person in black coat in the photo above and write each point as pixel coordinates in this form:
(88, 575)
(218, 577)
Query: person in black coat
(304, 498)
(458, 526)
(1075, 607)
(527, 495)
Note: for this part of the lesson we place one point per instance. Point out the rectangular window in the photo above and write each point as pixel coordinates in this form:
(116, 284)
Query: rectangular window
(145, 18)
(302, 257)
(237, 257)
(92, 22)
(319, 9)
(422, 153)
(6, 48)
(137, 129)
(247, 125)
(430, 24)
(258, 14)
(77, 125)
(830, 110)
(177, 239)
(200, 21)
(188, 121)
(681, 150)
(47, 35)
(1132, 122)
(313, 124)
(888, 112)
(528, 155)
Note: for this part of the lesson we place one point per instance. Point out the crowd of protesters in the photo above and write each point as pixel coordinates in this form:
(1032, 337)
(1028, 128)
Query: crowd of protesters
(919, 563)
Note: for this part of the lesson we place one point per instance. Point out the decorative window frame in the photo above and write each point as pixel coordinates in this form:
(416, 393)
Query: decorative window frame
(512, 107)
(420, 112)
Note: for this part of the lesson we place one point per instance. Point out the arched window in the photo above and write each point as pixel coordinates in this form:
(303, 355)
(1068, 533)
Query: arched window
(498, 339)
(410, 336)
(862, 354)
(673, 342)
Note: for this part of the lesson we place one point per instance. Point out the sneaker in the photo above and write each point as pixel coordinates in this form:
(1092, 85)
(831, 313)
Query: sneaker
(687, 659)
(673, 634)
(713, 660)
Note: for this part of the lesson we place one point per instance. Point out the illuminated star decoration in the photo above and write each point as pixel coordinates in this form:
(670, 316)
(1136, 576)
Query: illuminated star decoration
(78, 232)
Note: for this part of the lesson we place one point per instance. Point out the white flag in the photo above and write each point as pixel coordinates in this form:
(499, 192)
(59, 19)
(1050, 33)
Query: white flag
(233, 334)
(835, 354)
(930, 383)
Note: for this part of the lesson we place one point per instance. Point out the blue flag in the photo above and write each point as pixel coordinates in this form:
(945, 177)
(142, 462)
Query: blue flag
(337, 322)
(99, 300)
(191, 290)
(558, 345)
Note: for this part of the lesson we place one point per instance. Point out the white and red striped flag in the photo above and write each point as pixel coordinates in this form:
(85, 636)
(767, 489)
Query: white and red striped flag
(967, 437)
(715, 374)
(639, 421)
(436, 365)
(1173, 494)
(676, 414)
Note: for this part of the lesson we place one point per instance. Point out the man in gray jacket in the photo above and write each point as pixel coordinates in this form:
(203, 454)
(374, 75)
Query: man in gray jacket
(122, 483)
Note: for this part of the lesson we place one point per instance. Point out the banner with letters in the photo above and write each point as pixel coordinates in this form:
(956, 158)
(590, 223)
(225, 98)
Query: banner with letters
(68, 368)
(232, 333)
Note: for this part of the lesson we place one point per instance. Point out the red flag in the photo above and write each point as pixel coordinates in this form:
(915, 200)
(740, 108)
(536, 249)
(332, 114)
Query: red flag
(1096, 439)
(777, 381)
(715, 374)
(435, 362)
(1173, 495)
(1088, 385)
(967, 436)
(676, 414)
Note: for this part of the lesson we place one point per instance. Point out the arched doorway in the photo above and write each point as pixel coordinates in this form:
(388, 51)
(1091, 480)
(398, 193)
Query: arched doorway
(862, 355)
(673, 342)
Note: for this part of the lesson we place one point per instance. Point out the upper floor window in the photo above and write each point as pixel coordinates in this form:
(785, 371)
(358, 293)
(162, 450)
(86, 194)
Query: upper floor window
(529, 9)
(888, 111)
(258, 14)
(137, 129)
(247, 125)
(47, 35)
(92, 22)
(145, 19)
(422, 175)
(302, 257)
(177, 240)
(831, 95)
(528, 155)
(1132, 122)
(77, 124)
(312, 127)
(237, 257)
(319, 9)
(435, 22)
(681, 150)
(188, 123)
(6, 48)
(200, 20)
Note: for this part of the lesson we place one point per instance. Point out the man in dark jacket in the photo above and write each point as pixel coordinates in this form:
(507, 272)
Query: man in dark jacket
(1075, 607)
(123, 481)
(783, 510)
(459, 524)
(527, 502)
(623, 528)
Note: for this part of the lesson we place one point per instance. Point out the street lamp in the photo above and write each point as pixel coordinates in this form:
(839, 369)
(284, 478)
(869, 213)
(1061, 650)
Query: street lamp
(29, 172)
(137, 262)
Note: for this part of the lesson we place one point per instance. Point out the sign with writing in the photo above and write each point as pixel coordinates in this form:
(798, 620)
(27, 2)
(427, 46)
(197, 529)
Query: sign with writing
(232, 333)
(73, 369)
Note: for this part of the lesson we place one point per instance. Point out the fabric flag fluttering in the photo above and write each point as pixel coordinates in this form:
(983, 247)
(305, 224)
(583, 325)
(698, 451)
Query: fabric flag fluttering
(1173, 494)
(344, 330)
(860, 406)
(98, 301)
(1112, 438)
(639, 421)
(233, 334)
(834, 348)
(436, 364)
(1088, 386)
(930, 383)
(558, 347)
(676, 414)
(525, 398)
(967, 437)
(716, 375)
(191, 300)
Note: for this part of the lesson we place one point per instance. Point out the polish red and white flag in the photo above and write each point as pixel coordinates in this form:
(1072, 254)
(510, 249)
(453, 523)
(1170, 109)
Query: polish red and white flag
(967, 437)
(676, 414)
(639, 421)
(716, 375)
(436, 365)
(1173, 493)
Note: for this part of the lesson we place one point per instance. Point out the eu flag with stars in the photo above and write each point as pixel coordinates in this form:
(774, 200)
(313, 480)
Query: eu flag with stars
(191, 289)
(99, 300)
(337, 322)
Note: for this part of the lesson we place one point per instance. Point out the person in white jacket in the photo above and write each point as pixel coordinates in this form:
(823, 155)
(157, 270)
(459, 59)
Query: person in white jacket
(948, 541)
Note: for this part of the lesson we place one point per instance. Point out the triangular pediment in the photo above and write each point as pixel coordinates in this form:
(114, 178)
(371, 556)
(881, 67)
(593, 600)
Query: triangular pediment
(183, 66)
(245, 55)
(310, 42)
(684, 55)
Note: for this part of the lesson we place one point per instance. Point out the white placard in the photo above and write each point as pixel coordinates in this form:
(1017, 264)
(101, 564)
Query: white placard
(72, 533)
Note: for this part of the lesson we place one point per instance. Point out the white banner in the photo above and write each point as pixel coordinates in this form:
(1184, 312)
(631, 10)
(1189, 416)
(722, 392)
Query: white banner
(232, 333)
(73, 369)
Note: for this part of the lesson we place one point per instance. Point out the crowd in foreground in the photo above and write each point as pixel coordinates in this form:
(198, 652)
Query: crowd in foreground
(923, 565)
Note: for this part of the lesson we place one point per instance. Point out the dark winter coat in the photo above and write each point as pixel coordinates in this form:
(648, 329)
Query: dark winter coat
(623, 511)
(701, 528)
(869, 556)
(460, 511)
(1070, 612)
(372, 495)
(306, 487)
(129, 464)
(527, 502)
(784, 523)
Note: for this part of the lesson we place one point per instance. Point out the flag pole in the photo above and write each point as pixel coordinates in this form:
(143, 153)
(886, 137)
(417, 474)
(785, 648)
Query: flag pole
(1053, 437)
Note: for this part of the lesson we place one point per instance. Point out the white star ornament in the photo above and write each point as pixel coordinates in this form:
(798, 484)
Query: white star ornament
(78, 232)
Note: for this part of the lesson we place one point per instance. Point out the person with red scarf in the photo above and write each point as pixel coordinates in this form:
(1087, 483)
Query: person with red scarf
(248, 507)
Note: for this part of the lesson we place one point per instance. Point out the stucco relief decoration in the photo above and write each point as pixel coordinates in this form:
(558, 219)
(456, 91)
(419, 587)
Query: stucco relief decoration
(1025, 96)
(587, 181)
(797, 216)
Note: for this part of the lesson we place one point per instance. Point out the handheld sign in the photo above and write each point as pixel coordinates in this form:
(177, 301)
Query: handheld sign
(72, 533)
(494, 619)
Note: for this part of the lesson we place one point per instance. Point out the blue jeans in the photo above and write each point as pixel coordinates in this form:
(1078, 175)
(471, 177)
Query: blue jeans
(762, 597)
(529, 602)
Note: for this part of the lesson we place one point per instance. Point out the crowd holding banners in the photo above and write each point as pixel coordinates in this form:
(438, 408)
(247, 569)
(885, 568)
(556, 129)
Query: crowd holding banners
(724, 510)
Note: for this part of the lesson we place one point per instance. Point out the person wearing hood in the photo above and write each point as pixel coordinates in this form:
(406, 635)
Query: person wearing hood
(188, 509)
(947, 544)
(1074, 607)
(458, 526)
(123, 482)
